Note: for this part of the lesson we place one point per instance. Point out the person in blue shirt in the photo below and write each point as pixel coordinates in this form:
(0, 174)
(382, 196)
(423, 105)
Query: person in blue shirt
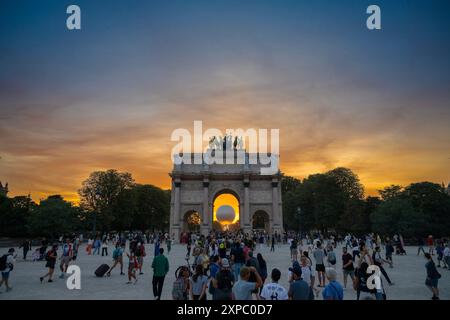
(333, 290)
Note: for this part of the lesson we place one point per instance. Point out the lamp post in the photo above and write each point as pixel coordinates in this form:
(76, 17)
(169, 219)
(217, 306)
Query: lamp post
(299, 212)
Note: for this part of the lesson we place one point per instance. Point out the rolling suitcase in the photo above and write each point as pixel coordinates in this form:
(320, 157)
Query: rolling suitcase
(100, 272)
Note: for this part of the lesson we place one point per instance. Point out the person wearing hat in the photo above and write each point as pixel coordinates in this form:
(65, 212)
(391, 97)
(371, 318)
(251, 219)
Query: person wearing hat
(7, 265)
(299, 288)
(223, 282)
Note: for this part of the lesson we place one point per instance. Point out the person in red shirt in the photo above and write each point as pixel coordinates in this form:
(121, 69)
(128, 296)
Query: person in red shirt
(430, 244)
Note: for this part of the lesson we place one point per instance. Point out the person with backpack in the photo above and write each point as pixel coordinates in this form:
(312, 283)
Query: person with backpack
(50, 257)
(433, 276)
(6, 266)
(360, 284)
(66, 257)
(117, 258)
(160, 267)
(180, 287)
(331, 257)
(223, 282)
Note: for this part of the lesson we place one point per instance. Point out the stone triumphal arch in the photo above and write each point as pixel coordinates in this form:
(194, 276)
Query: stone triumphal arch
(196, 186)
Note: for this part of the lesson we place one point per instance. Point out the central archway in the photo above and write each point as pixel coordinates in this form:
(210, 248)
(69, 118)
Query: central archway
(226, 203)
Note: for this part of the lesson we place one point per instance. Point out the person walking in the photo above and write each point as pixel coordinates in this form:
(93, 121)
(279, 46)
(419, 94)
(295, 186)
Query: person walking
(50, 257)
(160, 266)
(447, 256)
(378, 261)
(89, 246)
(420, 244)
(117, 259)
(6, 266)
(430, 244)
(272, 244)
(433, 277)
(169, 244)
(262, 268)
(140, 254)
(26, 246)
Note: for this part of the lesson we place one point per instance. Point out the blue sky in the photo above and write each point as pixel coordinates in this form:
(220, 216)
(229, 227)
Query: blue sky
(110, 94)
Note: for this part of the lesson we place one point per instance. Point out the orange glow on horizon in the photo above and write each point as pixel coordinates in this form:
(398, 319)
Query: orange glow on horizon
(226, 199)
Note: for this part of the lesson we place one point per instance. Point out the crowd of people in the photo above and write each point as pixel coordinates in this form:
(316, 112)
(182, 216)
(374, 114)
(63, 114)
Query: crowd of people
(231, 266)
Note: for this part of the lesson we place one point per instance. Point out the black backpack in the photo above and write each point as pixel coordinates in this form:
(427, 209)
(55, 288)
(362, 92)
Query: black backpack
(224, 280)
(3, 260)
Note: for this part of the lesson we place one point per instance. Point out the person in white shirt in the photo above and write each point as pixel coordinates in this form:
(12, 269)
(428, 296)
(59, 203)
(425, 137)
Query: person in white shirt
(273, 290)
(7, 266)
(447, 255)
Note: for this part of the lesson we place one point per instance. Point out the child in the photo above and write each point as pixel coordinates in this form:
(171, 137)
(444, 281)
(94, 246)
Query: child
(132, 266)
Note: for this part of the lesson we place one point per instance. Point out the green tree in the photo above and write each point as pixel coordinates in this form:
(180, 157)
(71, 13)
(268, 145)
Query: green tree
(398, 215)
(14, 213)
(390, 192)
(100, 192)
(54, 216)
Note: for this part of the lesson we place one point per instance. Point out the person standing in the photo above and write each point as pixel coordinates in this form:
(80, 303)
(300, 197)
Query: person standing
(66, 257)
(299, 288)
(169, 244)
(105, 247)
(262, 268)
(90, 243)
(132, 266)
(223, 282)
(6, 266)
(26, 246)
(50, 257)
(347, 266)
(447, 256)
(273, 290)
(97, 245)
(160, 266)
(272, 244)
(140, 254)
(430, 244)
(243, 289)
(433, 277)
(420, 244)
(199, 283)
(333, 290)
(319, 255)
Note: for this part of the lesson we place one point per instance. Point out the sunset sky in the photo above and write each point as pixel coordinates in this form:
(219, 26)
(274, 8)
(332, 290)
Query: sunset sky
(110, 95)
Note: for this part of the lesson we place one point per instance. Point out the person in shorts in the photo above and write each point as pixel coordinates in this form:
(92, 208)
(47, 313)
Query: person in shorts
(347, 266)
(50, 257)
(319, 255)
(7, 266)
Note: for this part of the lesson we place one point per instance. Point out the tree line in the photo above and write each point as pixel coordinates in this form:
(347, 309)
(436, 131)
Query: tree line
(334, 202)
(328, 202)
(109, 200)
